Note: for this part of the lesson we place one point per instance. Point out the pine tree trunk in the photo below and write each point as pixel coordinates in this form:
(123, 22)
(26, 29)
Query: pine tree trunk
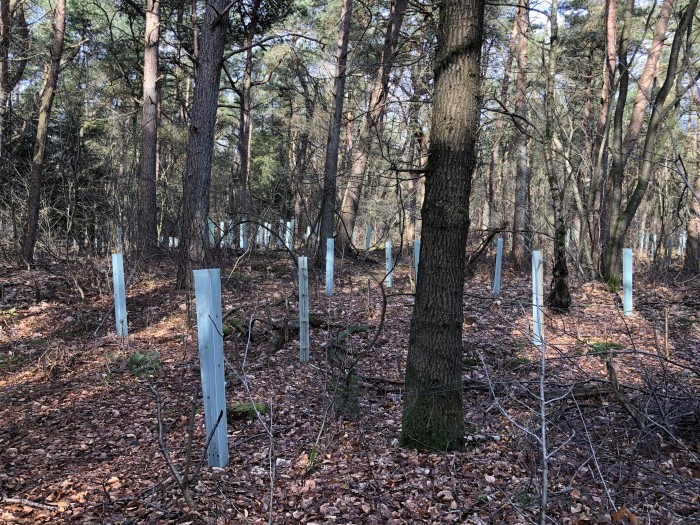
(330, 166)
(691, 263)
(246, 123)
(370, 127)
(495, 158)
(302, 153)
(48, 92)
(599, 157)
(196, 181)
(148, 240)
(433, 415)
(622, 218)
(521, 237)
(559, 297)
(11, 18)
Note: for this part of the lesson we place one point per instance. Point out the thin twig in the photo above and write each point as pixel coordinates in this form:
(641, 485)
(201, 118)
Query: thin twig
(206, 447)
(27, 502)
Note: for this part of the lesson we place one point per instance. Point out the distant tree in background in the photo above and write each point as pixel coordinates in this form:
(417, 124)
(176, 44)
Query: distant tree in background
(330, 166)
(51, 71)
(147, 224)
(521, 207)
(371, 125)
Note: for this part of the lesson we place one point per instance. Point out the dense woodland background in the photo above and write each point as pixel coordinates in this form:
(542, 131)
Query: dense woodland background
(185, 132)
(590, 130)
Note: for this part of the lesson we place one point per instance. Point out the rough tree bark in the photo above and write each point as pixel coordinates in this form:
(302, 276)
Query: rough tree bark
(196, 181)
(599, 172)
(147, 224)
(433, 415)
(521, 237)
(370, 126)
(51, 71)
(559, 296)
(330, 166)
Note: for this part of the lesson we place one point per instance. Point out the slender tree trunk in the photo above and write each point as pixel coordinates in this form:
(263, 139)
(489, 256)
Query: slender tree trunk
(691, 263)
(433, 412)
(48, 92)
(411, 191)
(521, 237)
(418, 151)
(495, 157)
(245, 129)
(330, 166)
(11, 17)
(302, 151)
(583, 247)
(148, 224)
(196, 181)
(5, 29)
(643, 96)
(559, 296)
(599, 173)
(370, 127)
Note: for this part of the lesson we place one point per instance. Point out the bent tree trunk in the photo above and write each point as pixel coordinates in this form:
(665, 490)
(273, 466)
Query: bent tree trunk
(433, 415)
(52, 70)
(196, 181)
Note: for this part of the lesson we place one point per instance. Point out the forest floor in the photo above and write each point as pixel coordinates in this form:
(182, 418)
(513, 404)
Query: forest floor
(79, 432)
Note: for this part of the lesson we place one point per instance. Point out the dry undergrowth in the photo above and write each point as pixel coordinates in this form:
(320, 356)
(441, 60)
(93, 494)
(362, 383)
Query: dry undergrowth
(79, 436)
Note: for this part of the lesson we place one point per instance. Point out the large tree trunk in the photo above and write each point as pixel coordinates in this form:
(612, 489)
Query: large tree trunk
(48, 92)
(330, 166)
(433, 416)
(610, 205)
(196, 181)
(149, 132)
(370, 126)
(521, 236)
(612, 208)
